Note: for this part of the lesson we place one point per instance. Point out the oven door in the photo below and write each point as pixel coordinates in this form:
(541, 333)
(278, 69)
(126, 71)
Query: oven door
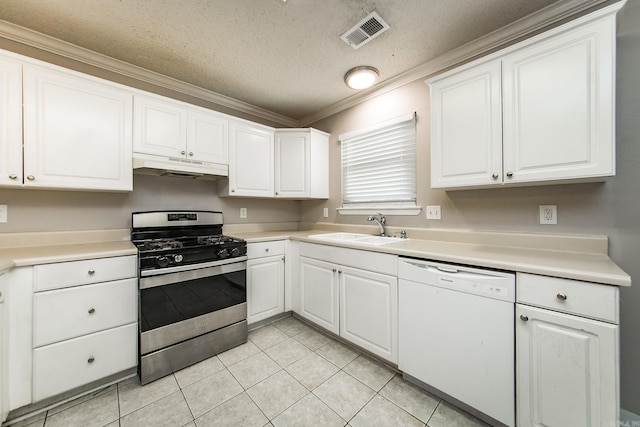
(181, 305)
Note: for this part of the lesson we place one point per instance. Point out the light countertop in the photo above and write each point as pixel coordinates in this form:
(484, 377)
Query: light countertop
(587, 266)
(571, 257)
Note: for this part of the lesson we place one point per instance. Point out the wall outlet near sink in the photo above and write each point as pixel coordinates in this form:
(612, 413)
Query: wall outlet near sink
(3, 213)
(434, 212)
(243, 212)
(548, 214)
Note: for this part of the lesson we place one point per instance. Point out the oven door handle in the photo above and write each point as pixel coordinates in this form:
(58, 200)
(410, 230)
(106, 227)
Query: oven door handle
(192, 274)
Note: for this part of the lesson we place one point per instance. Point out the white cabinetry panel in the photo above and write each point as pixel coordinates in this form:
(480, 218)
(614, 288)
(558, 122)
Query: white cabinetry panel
(466, 128)
(72, 312)
(161, 127)
(559, 106)
(319, 294)
(292, 164)
(73, 273)
(265, 288)
(369, 311)
(77, 131)
(10, 122)
(251, 160)
(72, 363)
(567, 370)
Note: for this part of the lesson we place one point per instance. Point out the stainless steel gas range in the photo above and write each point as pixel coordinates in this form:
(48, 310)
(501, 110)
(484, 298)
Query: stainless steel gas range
(193, 299)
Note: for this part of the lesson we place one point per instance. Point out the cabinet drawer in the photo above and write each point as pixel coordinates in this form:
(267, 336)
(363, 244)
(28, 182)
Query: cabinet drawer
(265, 249)
(569, 296)
(68, 313)
(69, 364)
(67, 274)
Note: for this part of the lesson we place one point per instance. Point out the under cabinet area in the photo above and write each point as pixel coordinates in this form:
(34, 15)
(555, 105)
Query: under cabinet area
(567, 352)
(265, 280)
(540, 111)
(351, 293)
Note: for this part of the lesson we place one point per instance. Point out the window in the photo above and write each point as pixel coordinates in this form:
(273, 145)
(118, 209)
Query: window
(379, 168)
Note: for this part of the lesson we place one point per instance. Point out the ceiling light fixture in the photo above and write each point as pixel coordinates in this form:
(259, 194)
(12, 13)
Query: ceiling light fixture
(361, 77)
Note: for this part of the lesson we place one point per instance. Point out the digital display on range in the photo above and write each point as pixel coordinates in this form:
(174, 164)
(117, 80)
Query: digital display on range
(182, 217)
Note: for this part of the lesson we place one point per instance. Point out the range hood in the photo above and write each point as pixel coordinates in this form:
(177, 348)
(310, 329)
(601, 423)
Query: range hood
(145, 164)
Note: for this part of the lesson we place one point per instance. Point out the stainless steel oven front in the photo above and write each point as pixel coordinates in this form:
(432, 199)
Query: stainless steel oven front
(190, 313)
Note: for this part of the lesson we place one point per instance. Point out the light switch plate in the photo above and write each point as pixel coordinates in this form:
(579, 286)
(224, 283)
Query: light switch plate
(325, 212)
(3, 213)
(243, 212)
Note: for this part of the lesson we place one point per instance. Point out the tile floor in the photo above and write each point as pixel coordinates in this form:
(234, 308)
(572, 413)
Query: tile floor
(287, 374)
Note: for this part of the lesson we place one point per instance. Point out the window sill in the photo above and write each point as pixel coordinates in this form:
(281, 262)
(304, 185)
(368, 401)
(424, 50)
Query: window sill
(388, 210)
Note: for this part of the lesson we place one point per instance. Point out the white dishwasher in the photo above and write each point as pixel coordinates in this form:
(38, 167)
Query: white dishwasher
(456, 333)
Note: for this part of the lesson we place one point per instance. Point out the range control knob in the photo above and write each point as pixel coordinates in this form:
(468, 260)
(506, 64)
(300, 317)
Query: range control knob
(235, 252)
(222, 253)
(178, 258)
(162, 261)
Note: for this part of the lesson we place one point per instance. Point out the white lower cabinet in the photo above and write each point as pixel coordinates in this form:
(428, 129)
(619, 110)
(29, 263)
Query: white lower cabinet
(265, 280)
(64, 334)
(319, 293)
(352, 293)
(369, 311)
(4, 407)
(567, 365)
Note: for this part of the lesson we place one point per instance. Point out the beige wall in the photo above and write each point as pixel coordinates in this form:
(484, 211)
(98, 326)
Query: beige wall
(38, 210)
(611, 208)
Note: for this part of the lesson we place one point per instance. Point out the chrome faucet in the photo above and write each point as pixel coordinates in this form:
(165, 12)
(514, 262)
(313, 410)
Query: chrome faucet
(381, 222)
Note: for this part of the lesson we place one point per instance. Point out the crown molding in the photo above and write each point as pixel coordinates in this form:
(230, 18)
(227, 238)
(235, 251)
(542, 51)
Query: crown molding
(523, 28)
(64, 49)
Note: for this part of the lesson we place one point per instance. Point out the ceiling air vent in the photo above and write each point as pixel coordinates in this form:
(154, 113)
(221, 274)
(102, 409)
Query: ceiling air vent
(365, 31)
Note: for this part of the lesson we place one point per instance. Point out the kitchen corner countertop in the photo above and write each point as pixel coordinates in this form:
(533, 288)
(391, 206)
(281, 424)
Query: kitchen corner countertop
(69, 248)
(590, 267)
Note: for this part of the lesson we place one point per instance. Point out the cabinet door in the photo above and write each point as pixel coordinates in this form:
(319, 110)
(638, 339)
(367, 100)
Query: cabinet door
(207, 137)
(369, 311)
(10, 122)
(265, 288)
(292, 164)
(77, 132)
(251, 160)
(567, 369)
(160, 127)
(319, 293)
(466, 128)
(4, 404)
(559, 106)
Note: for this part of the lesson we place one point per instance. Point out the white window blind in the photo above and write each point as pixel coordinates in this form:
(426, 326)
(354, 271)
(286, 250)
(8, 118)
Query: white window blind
(379, 164)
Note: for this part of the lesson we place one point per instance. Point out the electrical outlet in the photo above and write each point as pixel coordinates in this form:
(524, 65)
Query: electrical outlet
(434, 212)
(548, 214)
(325, 212)
(243, 212)
(3, 213)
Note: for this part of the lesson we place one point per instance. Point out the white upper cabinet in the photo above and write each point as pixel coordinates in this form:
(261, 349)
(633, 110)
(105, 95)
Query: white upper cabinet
(10, 122)
(301, 163)
(77, 131)
(559, 106)
(160, 127)
(173, 129)
(541, 111)
(251, 160)
(466, 128)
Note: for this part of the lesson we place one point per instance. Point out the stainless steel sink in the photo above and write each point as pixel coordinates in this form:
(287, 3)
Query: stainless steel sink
(365, 239)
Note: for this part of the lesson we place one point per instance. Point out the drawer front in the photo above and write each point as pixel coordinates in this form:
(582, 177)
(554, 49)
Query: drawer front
(69, 364)
(74, 273)
(366, 260)
(569, 296)
(265, 249)
(68, 313)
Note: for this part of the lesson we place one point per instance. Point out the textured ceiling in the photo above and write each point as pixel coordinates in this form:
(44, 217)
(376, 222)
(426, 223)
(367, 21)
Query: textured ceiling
(284, 57)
